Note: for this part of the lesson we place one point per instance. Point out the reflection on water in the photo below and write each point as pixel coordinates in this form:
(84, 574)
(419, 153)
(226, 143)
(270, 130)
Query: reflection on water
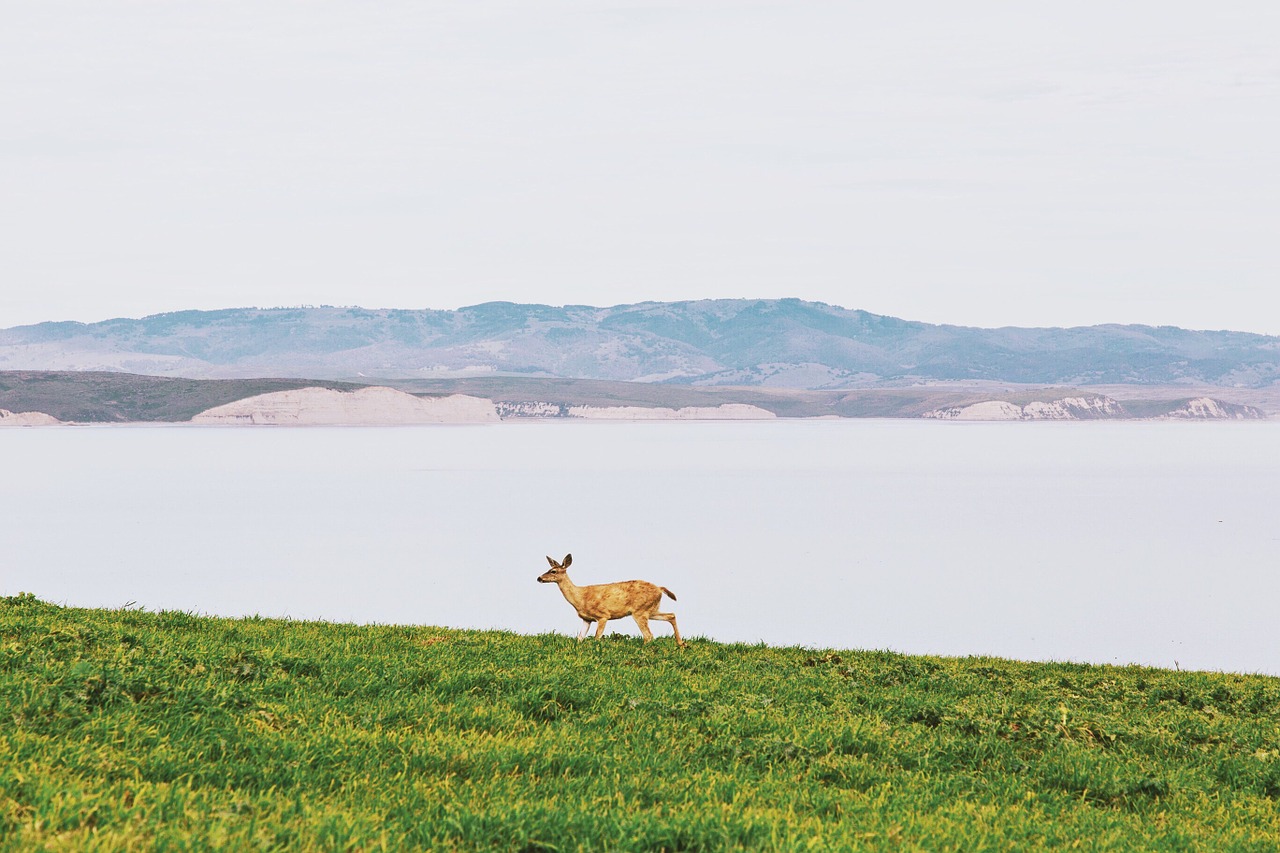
(1116, 542)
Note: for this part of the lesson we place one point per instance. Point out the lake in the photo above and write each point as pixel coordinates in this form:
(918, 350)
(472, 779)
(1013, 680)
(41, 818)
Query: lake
(1142, 542)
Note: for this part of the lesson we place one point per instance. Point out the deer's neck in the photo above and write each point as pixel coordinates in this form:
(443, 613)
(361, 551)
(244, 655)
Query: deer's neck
(572, 592)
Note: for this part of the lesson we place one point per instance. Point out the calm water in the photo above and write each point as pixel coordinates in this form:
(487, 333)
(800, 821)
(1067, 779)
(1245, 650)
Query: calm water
(1121, 542)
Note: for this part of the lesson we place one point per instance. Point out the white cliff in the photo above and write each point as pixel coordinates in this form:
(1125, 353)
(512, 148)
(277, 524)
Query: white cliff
(726, 412)
(8, 418)
(1206, 408)
(1096, 408)
(375, 406)
(1065, 409)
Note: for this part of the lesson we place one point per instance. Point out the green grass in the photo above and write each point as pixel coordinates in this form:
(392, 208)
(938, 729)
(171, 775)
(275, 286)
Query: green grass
(133, 730)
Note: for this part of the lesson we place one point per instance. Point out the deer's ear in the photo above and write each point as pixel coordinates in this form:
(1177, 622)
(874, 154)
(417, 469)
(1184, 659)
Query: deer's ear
(568, 558)
(553, 563)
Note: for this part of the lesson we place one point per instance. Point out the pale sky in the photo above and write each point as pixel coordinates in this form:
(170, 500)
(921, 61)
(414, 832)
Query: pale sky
(972, 163)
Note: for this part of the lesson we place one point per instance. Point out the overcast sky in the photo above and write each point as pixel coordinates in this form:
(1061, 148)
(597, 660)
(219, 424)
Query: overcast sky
(974, 163)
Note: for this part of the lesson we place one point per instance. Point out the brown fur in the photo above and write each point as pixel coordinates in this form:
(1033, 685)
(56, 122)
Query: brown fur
(601, 602)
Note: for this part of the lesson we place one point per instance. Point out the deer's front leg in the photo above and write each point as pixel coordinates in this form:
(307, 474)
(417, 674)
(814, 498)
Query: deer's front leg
(600, 628)
(586, 623)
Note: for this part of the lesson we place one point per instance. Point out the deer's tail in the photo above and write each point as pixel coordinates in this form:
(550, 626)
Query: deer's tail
(671, 595)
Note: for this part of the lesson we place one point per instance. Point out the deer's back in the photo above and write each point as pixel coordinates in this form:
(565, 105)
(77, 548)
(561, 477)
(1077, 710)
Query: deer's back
(615, 600)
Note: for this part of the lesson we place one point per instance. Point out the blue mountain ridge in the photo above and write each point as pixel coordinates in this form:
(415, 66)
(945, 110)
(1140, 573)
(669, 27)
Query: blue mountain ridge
(785, 342)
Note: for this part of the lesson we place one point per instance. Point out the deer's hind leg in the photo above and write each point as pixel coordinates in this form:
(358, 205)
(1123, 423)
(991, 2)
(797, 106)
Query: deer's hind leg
(670, 617)
(642, 619)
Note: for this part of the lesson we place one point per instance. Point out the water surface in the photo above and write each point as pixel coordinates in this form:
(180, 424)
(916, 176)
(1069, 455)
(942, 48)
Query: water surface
(1109, 542)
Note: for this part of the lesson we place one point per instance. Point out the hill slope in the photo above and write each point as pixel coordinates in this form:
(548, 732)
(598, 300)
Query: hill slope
(786, 342)
(135, 730)
(103, 397)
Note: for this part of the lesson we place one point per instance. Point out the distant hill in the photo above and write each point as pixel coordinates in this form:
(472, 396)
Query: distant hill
(98, 397)
(785, 343)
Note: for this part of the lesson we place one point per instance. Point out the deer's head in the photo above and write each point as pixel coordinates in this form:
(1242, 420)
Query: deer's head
(557, 572)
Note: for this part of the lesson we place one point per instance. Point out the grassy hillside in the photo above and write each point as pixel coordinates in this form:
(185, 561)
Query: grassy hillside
(89, 397)
(135, 730)
(783, 402)
(100, 397)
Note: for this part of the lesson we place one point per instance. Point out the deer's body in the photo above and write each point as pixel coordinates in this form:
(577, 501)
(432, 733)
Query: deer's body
(599, 603)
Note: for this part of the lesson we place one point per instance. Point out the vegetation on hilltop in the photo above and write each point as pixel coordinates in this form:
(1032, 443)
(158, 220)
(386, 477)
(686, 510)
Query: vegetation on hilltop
(130, 730)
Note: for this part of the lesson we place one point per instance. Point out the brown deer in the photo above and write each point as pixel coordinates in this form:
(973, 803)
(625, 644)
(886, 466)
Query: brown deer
(601, 602)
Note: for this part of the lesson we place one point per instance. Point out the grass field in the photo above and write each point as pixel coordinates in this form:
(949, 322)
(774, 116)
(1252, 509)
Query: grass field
(147, 731)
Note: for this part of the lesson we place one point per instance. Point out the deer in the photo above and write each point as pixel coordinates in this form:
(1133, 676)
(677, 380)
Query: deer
(601, 602)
